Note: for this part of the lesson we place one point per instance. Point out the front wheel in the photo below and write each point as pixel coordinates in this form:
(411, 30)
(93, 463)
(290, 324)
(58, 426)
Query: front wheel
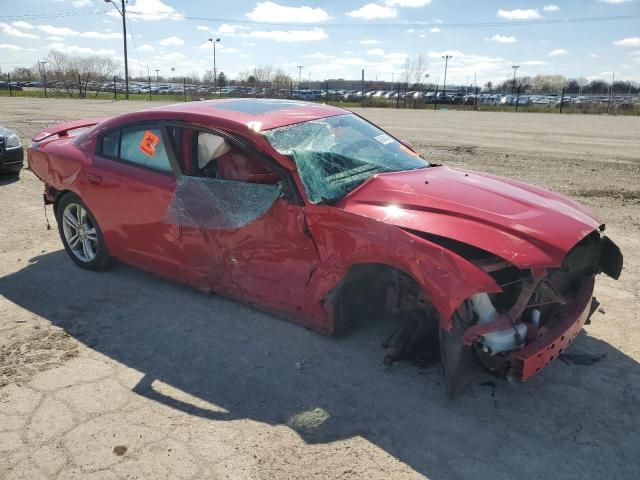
(81, 235)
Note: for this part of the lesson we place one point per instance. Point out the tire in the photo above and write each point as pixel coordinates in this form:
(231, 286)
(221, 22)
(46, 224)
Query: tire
(456, 357)
(82, 239)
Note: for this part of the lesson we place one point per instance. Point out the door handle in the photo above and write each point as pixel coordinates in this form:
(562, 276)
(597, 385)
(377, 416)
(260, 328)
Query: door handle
(94, 179)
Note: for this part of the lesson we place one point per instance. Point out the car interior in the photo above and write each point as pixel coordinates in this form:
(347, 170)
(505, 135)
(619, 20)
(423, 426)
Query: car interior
(204, 154)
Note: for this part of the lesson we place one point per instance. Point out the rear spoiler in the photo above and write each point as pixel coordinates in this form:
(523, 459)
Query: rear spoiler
(62, 129)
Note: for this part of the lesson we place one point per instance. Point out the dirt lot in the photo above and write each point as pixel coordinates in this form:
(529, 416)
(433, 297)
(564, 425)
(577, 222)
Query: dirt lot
(125, 375)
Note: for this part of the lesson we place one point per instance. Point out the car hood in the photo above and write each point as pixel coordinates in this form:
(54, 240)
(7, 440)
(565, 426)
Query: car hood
(526, 225)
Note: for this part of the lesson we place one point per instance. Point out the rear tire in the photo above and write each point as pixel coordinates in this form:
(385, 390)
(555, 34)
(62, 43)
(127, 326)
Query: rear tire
(81, 235)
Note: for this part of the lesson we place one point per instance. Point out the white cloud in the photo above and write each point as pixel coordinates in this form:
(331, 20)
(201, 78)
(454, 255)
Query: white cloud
(502, 39)
(616, 2)
(171, 42)
(60, 31)
(369, 42)
(75, 49)
(80, 3)
(396, 57)
(150, 10)
(53, 38)
(24, 25)
(146, 48)
(594, 55)
(375, 51)
(534, 63)
(14, 32)
(203, 28)
(291, 35)
(373, 10)
(435, 30)
(519, 14)
(10, 46)
(320, 56)
(453, 53)
(628, 42)
(229, 49)
(407, 3)
(272, 12)
(171, 57)
(68, 32)
(101, 35)
(557, 52)
(231, 30)
(551, 8)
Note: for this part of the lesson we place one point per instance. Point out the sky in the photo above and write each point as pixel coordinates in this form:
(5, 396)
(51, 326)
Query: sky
(336, 39)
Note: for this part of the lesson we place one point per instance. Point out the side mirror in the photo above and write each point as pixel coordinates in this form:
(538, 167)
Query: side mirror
(407, 144)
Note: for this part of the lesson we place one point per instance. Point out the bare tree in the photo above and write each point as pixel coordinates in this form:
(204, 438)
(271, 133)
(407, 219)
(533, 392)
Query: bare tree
(407, 71)
(263, 73)
(73, 74)
(419, 69)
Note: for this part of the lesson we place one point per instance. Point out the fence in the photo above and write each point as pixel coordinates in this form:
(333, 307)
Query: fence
(384, 95)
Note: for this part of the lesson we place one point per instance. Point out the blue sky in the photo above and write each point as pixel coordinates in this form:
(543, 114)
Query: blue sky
(335, 39)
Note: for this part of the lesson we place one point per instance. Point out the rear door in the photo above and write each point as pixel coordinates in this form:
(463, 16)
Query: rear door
(129, 187)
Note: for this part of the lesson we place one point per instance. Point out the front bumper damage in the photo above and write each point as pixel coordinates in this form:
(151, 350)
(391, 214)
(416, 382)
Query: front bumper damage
(516, 334)
(547, 347)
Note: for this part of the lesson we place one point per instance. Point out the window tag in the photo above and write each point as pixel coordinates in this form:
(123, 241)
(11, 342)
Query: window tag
(384, 139)
(148, 143)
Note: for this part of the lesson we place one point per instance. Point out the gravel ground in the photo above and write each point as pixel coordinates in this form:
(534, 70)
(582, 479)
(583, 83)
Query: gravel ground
(124, 375)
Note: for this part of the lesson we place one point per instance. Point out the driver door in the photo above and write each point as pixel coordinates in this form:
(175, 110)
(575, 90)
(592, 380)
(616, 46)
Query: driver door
(240, 234)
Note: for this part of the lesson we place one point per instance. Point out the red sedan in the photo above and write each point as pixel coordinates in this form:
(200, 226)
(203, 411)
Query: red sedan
(314, 213)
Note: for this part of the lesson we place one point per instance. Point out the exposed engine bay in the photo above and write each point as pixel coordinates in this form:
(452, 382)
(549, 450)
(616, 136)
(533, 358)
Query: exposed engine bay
(494, 328)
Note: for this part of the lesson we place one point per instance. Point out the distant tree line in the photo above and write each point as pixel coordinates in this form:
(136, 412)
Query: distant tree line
(70, 75)
(555, 84)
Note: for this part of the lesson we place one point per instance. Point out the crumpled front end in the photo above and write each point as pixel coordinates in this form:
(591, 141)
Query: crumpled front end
(538, 314)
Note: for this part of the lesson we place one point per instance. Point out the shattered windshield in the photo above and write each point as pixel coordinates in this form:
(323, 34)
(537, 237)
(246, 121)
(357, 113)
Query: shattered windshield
(336, 154)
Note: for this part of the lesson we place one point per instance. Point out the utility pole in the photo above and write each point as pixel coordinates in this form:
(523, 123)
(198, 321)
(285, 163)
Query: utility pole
(362, 91)
(299, 67)
(215, 73)
(513, 85)
(613, 79)
(149, 80)
(44, 74)
(444, 84)
(123, 13)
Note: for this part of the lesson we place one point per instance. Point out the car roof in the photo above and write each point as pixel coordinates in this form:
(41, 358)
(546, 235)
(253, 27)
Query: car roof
(257, 114)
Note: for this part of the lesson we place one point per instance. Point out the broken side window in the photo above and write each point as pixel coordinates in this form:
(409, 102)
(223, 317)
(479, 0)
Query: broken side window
(202, 202)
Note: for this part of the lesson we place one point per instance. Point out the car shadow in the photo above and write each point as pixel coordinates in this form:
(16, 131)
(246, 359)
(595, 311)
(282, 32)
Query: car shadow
(8, 178)
(254, 366)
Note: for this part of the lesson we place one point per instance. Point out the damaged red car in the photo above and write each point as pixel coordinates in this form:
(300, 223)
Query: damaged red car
(311, 212)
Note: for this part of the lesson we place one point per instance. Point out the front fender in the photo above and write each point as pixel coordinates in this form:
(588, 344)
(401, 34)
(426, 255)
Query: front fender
(344, 239)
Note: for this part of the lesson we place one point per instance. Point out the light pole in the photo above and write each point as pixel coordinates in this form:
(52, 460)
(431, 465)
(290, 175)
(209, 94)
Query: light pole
(44, 74)
(123, 14)
(299, 67)
(215, 74)
(157, 72)
(513, 85)
(446, 64)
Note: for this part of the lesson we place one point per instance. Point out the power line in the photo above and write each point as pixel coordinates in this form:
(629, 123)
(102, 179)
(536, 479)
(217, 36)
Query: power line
(417, 23)
(420, 24)
(36, 16)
